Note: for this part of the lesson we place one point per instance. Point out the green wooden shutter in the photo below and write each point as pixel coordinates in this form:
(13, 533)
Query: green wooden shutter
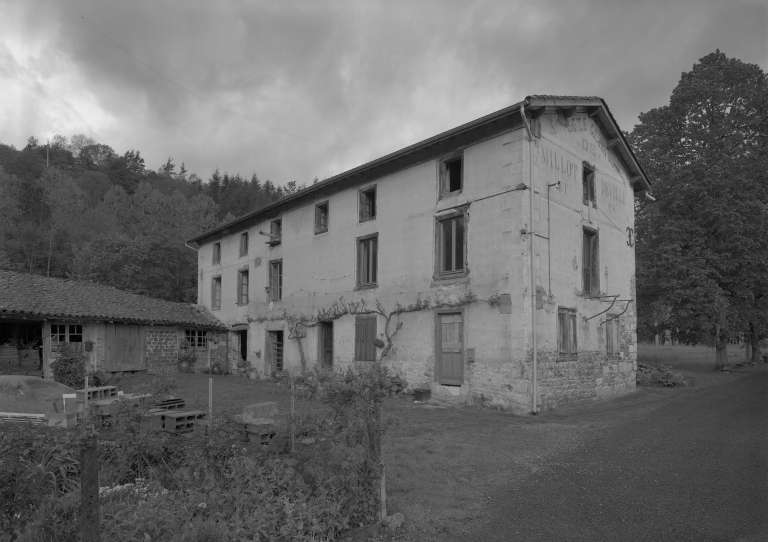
(586, 262)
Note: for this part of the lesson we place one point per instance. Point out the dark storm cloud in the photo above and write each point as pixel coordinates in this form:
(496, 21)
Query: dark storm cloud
(293, 90)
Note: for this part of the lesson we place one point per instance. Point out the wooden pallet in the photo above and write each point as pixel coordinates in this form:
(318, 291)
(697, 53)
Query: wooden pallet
(94, 394)
(168, 404)
(177, 421)
(19, 417)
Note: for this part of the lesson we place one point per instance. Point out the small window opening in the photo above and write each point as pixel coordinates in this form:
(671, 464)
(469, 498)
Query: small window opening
(588, 184)
(216, 253)
(451, 172)
(244, 244)
(276, 229)
(321, 218)
(368, 204)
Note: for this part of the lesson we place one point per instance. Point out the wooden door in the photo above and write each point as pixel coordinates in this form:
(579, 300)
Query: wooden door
(451, 348)
(326, 344)
(124, 348)
(365, 333)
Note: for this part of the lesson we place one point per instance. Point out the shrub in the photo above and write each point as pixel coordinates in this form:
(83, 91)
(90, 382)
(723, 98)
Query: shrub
(69, 370)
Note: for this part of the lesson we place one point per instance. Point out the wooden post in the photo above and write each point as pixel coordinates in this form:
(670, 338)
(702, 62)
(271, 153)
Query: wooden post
(89, 491)
(86, 414)
(293, 410)
(383, 492)
(210, 408)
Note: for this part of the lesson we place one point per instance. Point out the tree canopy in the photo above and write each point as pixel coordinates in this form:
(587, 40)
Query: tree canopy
(702, 245)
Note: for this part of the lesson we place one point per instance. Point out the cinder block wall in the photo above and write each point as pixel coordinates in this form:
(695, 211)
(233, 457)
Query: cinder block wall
(161, 349)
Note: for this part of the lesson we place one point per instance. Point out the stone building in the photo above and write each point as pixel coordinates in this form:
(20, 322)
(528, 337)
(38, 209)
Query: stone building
(440, 259)
(112, 330)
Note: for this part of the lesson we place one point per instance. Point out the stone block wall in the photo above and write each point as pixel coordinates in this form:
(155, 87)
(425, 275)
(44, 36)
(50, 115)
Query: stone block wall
(161, 349)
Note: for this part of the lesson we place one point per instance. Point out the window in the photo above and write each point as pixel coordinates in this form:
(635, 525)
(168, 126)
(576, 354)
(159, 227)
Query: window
(321, 218)
(275, 280)
(216, 293)
(588, 183)
(451, 245)
(275, 349)
(196, 338)
(67, 334)
(216, 253)
(244, 244)
(612, 335)
(590, 263)
(368, 203)
(367, 261)
(365, 333)
(276, 232)
(566, 333)
(242, 287)
(451, 175)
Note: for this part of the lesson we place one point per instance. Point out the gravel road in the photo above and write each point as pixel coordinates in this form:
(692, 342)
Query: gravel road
(692, 465)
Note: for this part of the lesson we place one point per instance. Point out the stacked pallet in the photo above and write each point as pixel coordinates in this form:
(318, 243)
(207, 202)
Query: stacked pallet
(260, 422)
(177, 421)
(22, 418)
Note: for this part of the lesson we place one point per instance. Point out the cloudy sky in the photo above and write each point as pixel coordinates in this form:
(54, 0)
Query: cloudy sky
(294, 90)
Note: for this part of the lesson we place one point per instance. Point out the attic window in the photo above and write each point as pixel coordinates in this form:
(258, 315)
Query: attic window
(276, 230)
(321, 217)
(244, 244)
(451, 175)
(216, 253)
(368, 203)
(588, 183)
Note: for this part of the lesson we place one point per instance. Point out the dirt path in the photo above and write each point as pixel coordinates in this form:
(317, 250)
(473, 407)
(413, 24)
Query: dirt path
(685, 464)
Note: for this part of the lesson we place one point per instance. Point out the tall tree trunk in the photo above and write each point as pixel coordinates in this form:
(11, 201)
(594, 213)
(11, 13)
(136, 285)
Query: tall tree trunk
(747, 348)
(754, 337)
(656, 329)
(721, 350)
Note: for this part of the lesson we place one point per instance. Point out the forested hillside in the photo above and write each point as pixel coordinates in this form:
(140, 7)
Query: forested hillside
(75, 208)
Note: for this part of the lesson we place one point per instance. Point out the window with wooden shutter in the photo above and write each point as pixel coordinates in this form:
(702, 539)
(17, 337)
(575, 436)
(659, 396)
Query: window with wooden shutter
(365, 333)
(566, 334)
(275, 280)
(612, 328)
(216, 293)
(590, 263)
(321, 217)
(588, 183)
(367, 261)
(367, 203)
(242, 287)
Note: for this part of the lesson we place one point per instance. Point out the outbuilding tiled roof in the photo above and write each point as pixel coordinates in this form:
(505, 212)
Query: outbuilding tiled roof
(35, 296)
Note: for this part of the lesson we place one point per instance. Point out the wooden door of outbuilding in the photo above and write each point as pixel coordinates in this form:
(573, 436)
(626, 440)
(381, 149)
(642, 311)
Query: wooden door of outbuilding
(450, 333)
(124, 348)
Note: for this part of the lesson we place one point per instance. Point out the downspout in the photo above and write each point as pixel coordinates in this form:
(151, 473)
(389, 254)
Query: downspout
(532, 233)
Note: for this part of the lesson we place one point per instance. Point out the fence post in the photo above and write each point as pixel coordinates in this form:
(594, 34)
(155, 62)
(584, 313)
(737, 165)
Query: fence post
(293, 410)
(383, 488)
(89, 490)
(210, 408)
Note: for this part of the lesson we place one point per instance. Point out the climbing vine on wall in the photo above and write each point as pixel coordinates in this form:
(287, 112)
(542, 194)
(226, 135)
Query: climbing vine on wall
(298, 323)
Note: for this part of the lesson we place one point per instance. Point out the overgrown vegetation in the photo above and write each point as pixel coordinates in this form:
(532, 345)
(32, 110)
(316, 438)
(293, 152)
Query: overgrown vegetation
(69, 370)
(215, 487)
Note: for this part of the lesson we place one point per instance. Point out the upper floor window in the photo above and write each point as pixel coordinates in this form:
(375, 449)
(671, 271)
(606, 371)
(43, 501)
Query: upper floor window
(367, 203)
(67, 334)
(612, 335)
(588, 183)
(321, 217)
(276, 232)
(367, 261)
(275, 280)
(590, 262)
(451, 175)
(216, 253)
(566, 333)
(216, 293)
(244, 244)
(451, 245)
(242, 287)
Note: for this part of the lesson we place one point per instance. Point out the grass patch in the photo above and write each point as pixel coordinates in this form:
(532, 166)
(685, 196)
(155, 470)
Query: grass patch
(689, 358)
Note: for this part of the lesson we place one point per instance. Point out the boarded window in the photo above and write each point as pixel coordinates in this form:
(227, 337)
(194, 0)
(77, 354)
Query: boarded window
(216, 253)
(588, 183)
(451, 175)
(566, 333)
(612, 336)
(244, 244)
(367, 261)
(590, 263)
(216, 293)
(365, 333)
(275, 280)
(276, 231)
(242, 287)
(451, 237)
(368, 204)
(321, 218)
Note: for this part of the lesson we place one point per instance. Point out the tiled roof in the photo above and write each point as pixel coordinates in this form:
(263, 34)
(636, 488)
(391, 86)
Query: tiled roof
(552, 97)
(32, 295)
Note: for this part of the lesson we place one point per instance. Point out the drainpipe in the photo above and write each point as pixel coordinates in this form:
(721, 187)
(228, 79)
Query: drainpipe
(532, 233)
